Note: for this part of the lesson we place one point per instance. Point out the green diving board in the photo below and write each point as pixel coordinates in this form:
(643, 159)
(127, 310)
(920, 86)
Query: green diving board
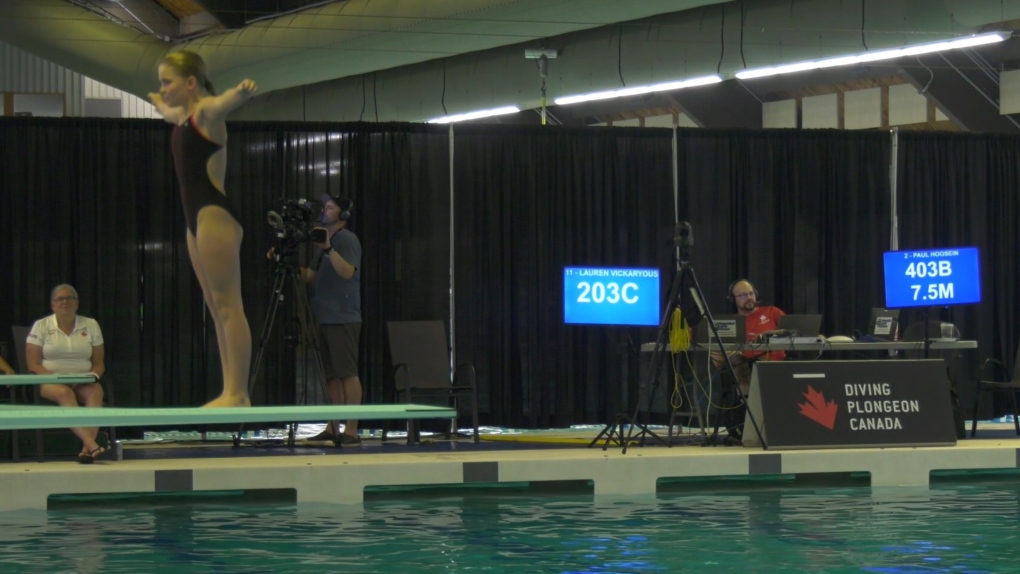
(10, 380)
(21, 417)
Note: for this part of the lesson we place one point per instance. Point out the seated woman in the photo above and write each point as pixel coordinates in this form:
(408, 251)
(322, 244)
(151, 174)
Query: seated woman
(5, 369)
(67, 343)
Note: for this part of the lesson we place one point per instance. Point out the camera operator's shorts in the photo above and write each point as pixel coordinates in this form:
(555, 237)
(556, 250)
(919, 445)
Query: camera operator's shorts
(339, 346)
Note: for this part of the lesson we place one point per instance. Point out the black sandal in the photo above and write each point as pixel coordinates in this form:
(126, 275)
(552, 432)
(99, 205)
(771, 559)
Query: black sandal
(91, 456)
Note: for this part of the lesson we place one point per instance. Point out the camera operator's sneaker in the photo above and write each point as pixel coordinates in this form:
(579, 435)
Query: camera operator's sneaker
(322, 436)
(347, 440)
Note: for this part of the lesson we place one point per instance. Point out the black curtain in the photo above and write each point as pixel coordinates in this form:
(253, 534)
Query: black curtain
(528, 202)
(90, 202)
(398, 177)
(959, 190)
(803, 214)
(94, 203)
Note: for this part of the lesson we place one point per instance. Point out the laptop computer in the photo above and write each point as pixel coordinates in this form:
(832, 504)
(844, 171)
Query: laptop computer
(883, 323)
(800, 325)
(732, 329)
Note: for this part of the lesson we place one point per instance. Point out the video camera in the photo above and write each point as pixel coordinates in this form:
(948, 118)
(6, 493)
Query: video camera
(295, 221)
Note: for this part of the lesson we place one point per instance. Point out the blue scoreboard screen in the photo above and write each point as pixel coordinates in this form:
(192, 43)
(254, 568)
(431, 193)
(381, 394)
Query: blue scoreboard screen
(932, 277)
(611, 296)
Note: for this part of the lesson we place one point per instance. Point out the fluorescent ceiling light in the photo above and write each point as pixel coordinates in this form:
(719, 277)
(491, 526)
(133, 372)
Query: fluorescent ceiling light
(475, 115)
(873, 56)
(637, 90)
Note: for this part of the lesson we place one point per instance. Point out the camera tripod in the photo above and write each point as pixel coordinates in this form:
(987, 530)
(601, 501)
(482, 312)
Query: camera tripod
(287, 275)
(698, 297)
(637, 432)
(617, 431)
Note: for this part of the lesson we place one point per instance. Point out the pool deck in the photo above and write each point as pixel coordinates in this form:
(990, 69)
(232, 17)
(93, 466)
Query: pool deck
(319, 473)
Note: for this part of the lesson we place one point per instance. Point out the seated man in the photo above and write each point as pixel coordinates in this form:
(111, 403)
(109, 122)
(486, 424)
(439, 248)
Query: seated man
(759, 319)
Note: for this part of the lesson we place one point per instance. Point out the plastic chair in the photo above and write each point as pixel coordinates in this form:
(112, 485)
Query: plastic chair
(421, 362)
(1009, 385)
(20, 336)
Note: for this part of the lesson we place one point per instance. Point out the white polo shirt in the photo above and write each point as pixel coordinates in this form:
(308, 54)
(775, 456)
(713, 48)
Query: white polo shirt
(63, 353)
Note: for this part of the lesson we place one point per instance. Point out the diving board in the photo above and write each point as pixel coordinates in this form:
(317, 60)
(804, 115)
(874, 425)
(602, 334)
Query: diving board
(46, 417)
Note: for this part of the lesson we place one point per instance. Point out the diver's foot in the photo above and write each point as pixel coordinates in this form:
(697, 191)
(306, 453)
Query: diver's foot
(225, 401)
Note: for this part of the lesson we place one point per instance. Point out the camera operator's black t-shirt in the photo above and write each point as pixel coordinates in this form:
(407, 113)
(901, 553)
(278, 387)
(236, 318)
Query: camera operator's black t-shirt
(336, 300)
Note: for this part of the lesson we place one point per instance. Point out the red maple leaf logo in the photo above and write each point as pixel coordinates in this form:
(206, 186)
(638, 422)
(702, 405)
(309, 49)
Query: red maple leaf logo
(816, 409)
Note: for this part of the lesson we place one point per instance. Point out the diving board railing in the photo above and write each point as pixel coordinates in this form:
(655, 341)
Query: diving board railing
(18, 417)
(13, 381)
(28, 380)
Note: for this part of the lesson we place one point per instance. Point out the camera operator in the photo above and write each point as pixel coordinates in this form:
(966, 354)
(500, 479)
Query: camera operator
(335, 275)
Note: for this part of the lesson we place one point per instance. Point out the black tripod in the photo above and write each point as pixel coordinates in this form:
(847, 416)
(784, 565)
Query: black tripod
(683, 240)
(287, 274)
(614, 432)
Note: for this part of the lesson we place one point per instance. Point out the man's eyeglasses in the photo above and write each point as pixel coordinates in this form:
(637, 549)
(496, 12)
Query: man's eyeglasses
(744, 295)
(64, 299)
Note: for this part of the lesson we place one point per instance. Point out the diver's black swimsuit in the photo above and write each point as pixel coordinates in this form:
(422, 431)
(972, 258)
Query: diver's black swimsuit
(192, 151)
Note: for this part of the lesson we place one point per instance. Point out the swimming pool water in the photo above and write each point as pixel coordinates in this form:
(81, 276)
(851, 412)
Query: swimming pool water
(965, 526)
